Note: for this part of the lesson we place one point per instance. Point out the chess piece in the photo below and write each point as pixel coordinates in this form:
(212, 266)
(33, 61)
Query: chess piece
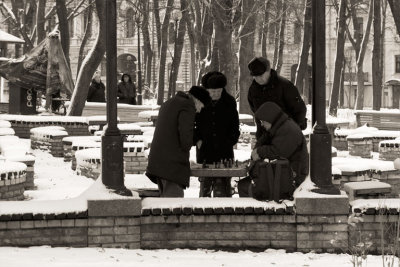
(215, 164)
(204, 164)
(230, 163)
(236, 164)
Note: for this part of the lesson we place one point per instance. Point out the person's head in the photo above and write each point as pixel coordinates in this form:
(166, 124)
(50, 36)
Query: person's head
(214, 82)
(126, 78)
(97, 77)
(200, 97)
(260, 69)
(268, 113)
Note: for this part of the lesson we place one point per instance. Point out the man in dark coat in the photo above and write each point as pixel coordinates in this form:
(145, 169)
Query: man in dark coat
(96, 90)
(282, 138)
(126, 90)
(269, 86)
(168, 163)
(216, 132)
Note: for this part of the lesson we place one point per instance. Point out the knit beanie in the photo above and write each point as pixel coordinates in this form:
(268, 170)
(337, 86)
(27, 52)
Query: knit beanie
(269, 112)
(258, 66)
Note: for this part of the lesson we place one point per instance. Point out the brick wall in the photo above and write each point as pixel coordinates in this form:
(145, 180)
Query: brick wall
(360, 147)
(12, 185)
(3, 107)
(22, 128)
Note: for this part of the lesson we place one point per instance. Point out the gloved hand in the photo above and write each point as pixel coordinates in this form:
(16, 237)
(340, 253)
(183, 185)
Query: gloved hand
(303, 125)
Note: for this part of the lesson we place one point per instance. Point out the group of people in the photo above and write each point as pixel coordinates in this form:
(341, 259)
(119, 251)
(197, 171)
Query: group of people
(207, 117)
(126, 90)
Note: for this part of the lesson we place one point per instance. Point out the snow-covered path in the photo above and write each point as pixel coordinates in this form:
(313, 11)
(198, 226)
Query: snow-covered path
(98, 257)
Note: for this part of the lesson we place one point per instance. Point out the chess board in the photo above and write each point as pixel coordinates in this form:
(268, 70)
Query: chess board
(199, 170)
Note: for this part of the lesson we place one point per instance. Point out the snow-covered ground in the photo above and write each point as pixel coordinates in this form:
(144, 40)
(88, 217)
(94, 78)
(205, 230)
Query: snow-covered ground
(98, 257)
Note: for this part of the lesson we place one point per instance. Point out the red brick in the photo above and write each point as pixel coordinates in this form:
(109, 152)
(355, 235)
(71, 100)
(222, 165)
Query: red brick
(81, 222)
(133, 229)
(107, 230)
(262, 235)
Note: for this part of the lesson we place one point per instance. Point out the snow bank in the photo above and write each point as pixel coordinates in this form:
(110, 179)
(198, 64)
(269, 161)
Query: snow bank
(304, 191)
(150, 203)
(147, 114)
(355, 164)
(245, 117)
(5, 124)
(6, 131)
(360, 130)
(382, 203)
(86, 154)
(35, 118)
(82, 138)
(48, 130)
(9, 166)
(244, 128)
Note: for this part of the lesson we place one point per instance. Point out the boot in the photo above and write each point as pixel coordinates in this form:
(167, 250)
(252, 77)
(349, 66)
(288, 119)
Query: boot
(205, 186)
(222, 187)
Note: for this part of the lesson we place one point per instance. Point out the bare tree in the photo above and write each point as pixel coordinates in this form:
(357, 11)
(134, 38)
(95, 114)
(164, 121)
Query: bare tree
(89, 65)
(246, 52)
(337, 74)
(265, 29)
(377, 70)
(62, 12)
(158, 23)
(163, 51)
(277, 19)
(147, 51)
(281, 42)
(178, 47)
(86, 36)
(40, 21)
(302, 68)
(395, 7)
(359, 43)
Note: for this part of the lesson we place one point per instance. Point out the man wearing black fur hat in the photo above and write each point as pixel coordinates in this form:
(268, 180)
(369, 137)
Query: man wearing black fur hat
(269, 86)
(216, 132)
(169, 165)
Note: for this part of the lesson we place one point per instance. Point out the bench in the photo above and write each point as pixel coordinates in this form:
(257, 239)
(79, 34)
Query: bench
(379, 119)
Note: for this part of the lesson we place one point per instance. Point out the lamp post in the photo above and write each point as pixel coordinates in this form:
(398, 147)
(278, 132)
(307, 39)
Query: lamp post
(320, 140)
(112, 173)
(176, 16)
(139, 95)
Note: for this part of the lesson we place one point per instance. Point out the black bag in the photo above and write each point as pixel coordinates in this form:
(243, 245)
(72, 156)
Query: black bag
(271, 180)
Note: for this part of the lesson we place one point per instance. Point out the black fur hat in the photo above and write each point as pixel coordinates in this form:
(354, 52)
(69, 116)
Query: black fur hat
(201, 94)
(258, 66)
(214, 80)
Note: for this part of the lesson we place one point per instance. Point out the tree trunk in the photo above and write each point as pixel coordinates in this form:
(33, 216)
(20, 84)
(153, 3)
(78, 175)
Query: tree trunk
(278, 8)
(158, 23)
(246, 53)
(376, 61)
(341, 89)
(147, 51)
(86, 36)
(40, 21)
(63, 26)
(89, 64)
(302, 68)
(333, 105)
(265, 28)
(192, 41)
(282, 25)
(360, 59)
(163, 51)
(178, 47)
(223, 39)
(395, 7)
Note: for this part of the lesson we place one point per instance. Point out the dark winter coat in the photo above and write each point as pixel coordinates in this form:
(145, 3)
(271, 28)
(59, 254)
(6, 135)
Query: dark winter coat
(173, 138)
(285, 140)
(96, 92)
(127, 92)
(283, 93)
(217, 125)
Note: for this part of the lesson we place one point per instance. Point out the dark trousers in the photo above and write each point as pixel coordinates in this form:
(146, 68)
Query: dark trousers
(219, 186)
(169, 189)
(244, 187)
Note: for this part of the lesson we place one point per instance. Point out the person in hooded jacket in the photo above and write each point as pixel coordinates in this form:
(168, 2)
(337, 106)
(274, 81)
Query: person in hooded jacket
(168, 164)
(126, 90)
(282, 138)
(96, 90)
(216, 132)
(267, 86)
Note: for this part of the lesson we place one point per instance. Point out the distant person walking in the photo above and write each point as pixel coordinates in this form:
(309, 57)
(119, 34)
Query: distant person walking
(127, 90)
(96, 90)
(168, 164)
(269, 86)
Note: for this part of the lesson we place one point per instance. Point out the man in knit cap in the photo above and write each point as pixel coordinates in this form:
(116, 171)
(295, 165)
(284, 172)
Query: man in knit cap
(216, 132)
(269, 86)
(169, 165)
(281, 138)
